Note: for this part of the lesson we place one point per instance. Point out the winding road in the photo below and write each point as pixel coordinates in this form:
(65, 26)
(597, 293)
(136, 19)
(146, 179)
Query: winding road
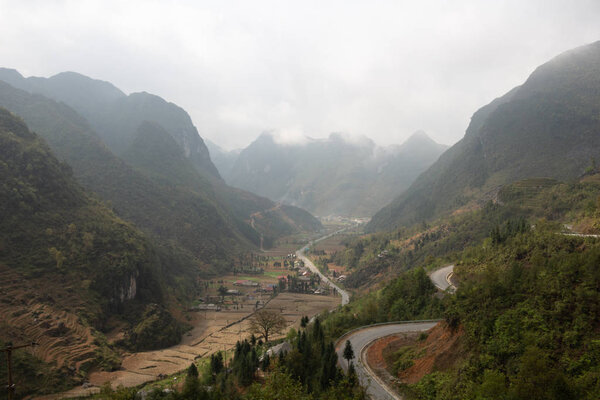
(301, 256)
(441, 278)
(360, 339)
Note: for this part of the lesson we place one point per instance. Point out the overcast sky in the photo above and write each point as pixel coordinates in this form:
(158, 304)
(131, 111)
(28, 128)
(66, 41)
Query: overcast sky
(383, 69)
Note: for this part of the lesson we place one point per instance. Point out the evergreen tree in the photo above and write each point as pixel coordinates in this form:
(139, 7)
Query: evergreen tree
(191, 387)
(348, 352)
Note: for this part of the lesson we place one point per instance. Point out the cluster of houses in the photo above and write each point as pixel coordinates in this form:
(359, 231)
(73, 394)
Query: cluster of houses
(259, 288)
(302, 281)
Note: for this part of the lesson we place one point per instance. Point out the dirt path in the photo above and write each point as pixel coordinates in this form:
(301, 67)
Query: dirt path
(212, 332)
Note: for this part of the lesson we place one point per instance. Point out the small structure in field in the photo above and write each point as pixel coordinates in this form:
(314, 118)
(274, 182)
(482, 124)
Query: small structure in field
(246, 283)
(283, 347)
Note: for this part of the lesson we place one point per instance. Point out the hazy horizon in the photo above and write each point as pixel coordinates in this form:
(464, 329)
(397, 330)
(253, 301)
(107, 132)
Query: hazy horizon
(381, 70)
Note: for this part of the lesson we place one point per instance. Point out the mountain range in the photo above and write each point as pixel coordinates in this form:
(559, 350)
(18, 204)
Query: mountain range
(108, 219)
(143, 155)
(333, 176)
(547, 127)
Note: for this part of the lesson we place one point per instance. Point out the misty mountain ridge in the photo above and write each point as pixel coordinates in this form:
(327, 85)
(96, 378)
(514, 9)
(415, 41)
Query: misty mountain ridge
(547, 127)
(155, 183)
(223, 159)
(114, 115)
(337, 175)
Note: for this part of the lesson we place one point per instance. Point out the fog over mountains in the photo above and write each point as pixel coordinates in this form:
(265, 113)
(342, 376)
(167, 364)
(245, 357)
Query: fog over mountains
(547, 127)
(338, 175)
(145, 156)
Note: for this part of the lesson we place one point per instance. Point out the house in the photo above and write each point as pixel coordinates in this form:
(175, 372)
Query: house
(206, 307)
(245, 282)
(284, 347)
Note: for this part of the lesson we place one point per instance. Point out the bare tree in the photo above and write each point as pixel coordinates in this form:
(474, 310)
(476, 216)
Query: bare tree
(266, 322)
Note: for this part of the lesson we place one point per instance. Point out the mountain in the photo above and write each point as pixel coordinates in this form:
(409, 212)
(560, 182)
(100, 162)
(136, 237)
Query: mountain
(156, 183)
(224, 160)
(114, 115)
(155, 207)
(337, 175)
(69, 266)
(547, 127)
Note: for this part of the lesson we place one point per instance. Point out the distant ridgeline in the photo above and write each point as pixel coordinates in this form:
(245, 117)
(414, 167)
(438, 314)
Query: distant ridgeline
(547, 127)
(154, 169)
(333, 176)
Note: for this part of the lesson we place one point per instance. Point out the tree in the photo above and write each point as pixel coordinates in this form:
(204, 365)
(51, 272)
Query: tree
(266, 322)
(348, 352)
(222, 292)
(266, 361)
(304, 321)
(216, 364)
(191, 388)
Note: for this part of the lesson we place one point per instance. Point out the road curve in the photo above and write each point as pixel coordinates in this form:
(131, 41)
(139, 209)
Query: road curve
(440, 277)
(300, 255)
(376, 389)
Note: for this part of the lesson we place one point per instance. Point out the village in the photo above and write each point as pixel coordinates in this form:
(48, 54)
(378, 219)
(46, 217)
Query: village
(252, 285)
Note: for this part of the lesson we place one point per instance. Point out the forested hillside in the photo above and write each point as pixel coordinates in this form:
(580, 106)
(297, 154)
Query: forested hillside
(523, 322)
(71, 268)
(547, 127)
(199, 213)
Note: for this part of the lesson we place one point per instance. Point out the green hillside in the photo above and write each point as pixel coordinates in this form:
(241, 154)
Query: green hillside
(547, 127)
(523, 322)
(154, 207)
(200, 216)
(66, 255)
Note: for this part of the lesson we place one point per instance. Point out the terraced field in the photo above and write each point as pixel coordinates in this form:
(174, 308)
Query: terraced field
(213, 331)
(28, 315)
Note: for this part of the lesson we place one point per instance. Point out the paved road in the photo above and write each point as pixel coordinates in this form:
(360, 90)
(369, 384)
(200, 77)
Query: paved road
(376, 389)
(440, 277)
(581, 235)
(300, 255)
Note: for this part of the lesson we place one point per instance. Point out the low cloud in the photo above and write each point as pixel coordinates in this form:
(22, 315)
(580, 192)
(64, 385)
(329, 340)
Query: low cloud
(382, 69)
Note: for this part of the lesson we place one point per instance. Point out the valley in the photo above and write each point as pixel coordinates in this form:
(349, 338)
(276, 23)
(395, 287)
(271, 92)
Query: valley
(219, 330)
(139, 260)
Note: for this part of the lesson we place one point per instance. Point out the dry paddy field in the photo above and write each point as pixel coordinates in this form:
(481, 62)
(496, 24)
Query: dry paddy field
(212, 331)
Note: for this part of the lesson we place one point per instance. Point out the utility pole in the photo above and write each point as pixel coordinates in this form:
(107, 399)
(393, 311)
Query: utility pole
(8, 350)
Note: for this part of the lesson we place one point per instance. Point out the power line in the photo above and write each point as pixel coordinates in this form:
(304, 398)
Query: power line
(8, 350)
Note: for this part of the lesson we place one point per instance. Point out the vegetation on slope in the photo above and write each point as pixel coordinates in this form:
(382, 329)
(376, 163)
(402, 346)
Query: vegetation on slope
(410, 296)
(308, 372)
(431, 245)
(33, 376)
(50, 229)
(526, 305)
(529, 309)
(548, 127)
